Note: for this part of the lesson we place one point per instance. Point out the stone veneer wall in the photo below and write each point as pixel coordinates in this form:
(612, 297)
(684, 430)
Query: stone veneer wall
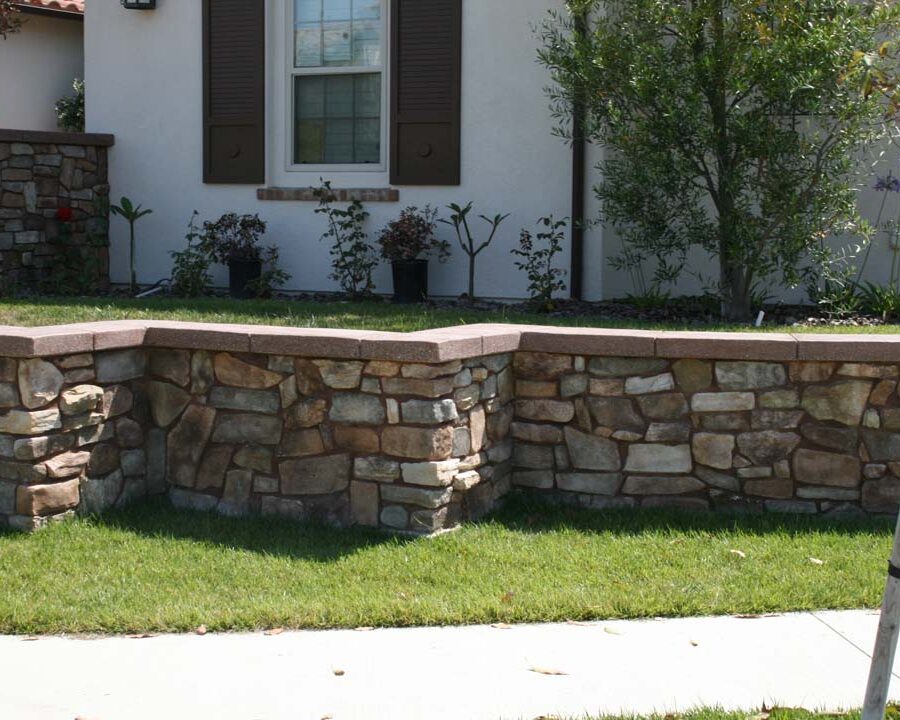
(417, 433)
(41, 172)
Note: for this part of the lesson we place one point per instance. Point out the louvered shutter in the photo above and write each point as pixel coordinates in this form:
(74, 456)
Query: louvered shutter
(426, 48)
(234, 81)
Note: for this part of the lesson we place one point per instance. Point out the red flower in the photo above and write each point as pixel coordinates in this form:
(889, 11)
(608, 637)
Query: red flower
(65, 214)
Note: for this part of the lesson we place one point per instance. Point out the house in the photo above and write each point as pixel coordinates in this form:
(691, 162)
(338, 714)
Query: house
(38, 65)
(244, 105)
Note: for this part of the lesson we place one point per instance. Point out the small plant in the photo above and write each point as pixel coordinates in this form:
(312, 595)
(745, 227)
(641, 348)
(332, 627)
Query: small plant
(459, 221)
(412, 237)
(234, 238)
(131, 214)
(190, 267)
(353, 259)
(538, 253)
(272, 276)
(70, 110)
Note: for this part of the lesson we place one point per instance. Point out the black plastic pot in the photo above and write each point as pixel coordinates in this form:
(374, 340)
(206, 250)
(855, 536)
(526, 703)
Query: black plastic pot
(410, 281)
(241, 273)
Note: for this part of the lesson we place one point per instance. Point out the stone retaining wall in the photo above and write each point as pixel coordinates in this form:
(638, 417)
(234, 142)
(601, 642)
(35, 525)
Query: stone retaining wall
(54, 211)
(417, 433)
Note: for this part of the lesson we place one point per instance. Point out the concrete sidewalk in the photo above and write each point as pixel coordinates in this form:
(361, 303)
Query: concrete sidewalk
(815, 660)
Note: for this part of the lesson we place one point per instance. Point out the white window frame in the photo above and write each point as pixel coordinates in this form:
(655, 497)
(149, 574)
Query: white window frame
(291, 72)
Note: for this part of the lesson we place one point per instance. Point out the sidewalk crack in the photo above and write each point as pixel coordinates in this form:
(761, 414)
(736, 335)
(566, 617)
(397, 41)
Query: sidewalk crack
(844, 637)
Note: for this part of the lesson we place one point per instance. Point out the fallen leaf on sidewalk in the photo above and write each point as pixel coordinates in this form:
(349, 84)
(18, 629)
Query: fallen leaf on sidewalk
(30, 639)
(611, 631)
(547, 671)
(816, 561)
(739, 553)
(501, 626)
(140, 636)
(338, 673)
(274, 631)
(201, 630)
(694, 643)
(364, 628)
(580, 623)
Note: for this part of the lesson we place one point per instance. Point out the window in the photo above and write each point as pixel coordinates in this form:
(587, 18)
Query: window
(337, 82)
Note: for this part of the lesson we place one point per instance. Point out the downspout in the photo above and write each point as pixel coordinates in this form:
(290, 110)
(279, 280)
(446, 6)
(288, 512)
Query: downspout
(579, 176)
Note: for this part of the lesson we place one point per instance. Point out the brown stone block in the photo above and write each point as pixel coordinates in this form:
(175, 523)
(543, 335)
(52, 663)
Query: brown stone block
(355, 439)
(418, 443)
(364, 504)
(40, 500)
(199, 336)
(778, 488)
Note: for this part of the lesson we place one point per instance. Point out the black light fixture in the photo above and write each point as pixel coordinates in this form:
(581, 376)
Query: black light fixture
(139, 4)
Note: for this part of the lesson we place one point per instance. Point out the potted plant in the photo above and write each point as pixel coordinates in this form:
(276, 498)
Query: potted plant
(406, 243)
(234, 240)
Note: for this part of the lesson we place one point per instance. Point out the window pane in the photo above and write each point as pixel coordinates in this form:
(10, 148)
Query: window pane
(337, 119)
(337, 33)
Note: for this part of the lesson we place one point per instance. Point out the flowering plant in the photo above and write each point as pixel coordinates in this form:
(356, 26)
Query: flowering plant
(411, 237)
(65, 214)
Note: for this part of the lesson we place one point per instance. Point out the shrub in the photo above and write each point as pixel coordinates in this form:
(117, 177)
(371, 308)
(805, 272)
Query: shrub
(538, 253)
(10, 18)
(412, 237)
(190, 267)
(353, 259)
(234, 238)
(70, 110)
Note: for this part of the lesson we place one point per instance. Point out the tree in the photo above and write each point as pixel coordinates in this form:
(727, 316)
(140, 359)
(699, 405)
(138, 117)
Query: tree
(733, 126)
(10, 18)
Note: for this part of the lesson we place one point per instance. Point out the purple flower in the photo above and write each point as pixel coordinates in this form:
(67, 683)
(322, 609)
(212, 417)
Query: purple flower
(888, 184)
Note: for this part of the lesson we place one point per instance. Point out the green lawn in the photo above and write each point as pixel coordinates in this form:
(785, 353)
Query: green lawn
(893, 713)
(150, 568)
(368, 315)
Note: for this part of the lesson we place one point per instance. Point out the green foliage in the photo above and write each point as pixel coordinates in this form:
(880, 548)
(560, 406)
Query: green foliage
(459, 221)
(234, 238)
(131, 214)
(353, 258)
(732, 127)
(190, 267)
(538, 253)
(70, 110)
(10, 18)
(272, 277)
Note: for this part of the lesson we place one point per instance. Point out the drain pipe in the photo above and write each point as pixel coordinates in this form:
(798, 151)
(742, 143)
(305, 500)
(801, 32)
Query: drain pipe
(579, 178)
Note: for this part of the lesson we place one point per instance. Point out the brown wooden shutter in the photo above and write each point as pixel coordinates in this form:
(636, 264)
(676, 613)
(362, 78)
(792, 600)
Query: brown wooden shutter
(234, 90)
(426, 50)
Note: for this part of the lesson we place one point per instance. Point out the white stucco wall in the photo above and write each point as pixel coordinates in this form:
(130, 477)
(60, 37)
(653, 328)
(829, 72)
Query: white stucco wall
(37, 67)
(144, 80)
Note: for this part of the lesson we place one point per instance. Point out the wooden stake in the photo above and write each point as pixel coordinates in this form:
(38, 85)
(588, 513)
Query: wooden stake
(885, 641)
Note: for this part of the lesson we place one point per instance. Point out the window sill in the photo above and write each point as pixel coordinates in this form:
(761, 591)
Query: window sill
(307, 194)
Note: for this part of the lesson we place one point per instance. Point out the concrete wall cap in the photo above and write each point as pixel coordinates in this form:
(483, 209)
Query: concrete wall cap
(443, 344)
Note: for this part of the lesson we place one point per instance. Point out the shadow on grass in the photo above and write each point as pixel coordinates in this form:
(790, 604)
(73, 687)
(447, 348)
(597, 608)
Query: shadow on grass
(156, 518)
(526, 513)
(520, 514)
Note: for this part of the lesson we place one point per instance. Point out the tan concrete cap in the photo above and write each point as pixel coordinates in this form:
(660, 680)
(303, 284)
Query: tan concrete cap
(589, 341)
(444, 344)
(726, 346)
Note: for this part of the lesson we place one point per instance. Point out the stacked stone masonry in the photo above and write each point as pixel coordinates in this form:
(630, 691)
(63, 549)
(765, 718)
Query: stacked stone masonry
(42, 174)
(417, 433)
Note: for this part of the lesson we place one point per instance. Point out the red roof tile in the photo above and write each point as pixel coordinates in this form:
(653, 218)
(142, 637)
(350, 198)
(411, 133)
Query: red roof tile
(66, 6)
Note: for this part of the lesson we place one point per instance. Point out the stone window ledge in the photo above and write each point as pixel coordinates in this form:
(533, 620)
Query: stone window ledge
(56, 138)
(307, 194)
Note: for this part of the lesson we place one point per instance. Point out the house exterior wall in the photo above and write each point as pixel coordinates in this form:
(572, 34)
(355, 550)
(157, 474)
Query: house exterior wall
(37, 67)
(511, 163)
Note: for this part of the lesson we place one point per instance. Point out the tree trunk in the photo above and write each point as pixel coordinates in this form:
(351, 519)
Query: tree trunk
(471, 277)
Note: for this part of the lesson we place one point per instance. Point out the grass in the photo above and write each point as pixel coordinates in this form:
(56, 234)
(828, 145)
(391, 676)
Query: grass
(366, 315)
(149, 568)
(893, 713)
